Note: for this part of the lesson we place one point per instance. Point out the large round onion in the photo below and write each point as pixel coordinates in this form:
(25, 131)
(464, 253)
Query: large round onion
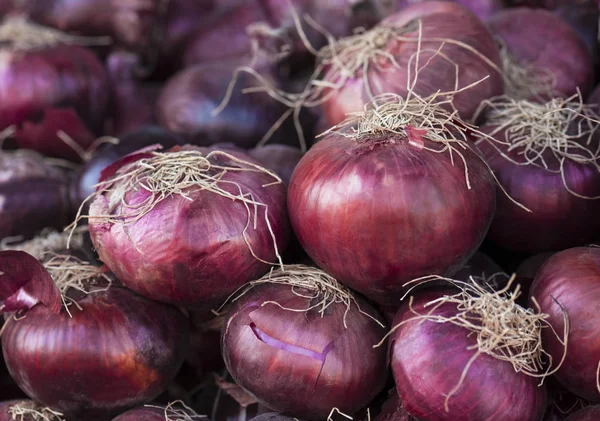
(47, 86)
(191, 250)
(591, 413)
(440, 21)
(378, 212)
(437, 354)
(304, 363)
(540, 41)
(570, 280)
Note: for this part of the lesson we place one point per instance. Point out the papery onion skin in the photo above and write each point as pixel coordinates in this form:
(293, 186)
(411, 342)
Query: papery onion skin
(198, 256)
(299, 363)
(541, 39)
(571, 280)
(437, 354)
(484, 9)
(120, 350)
(59, 88)
(279, 158)
(377, 214)
(558, 219)
(440, 20)
(591, 413)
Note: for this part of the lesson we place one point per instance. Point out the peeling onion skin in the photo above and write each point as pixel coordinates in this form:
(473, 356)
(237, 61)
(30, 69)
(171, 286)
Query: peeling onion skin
(428, 359)
(558, 219)
(440, 19)
(377, 215)
(591, 413)
(302, 385)
(572, 277)
(64, 363)
(192, 253)
(60, 88)
(544, 40)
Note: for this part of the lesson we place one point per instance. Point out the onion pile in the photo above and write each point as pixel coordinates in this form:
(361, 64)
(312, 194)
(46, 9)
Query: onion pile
(53, 93)
(310, 339)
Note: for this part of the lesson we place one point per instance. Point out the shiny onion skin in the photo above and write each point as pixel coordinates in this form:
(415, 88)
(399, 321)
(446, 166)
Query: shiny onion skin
(188, 99)
(299, 363)
(440, 20)
(344, 198)
(436, 354)
(279, 158)
(131, 24)
(529, 32)
(33, 195)
(572, 278)
(484, 9)
(64, 87)
(120, 350)
(591, 413)
(191, 252)
(558, 219)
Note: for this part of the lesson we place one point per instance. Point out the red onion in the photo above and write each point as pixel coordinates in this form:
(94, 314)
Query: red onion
(279, 158)
(466, 41)
(310, 339)
(568, 281)
(484, 9)
(133, 24)
(171, 412)
(459, 370)
(546, 164)
(350, 188)
(591, 413)
(33, 195)
(109, 349)
(564, 65)
(48, 85)
(195, 246)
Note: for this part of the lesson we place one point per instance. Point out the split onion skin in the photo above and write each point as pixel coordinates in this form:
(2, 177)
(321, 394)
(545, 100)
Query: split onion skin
(591, 413)
(542, 39)
(376, 215)
(336, 367)
(192, 253)
(439, 19)
(428, 359)
(558, 219)
(571, 279)
(118, 351)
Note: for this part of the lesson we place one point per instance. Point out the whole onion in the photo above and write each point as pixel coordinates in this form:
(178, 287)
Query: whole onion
(446, 25)
(171, 412)
(33, 195)
(48, 84)
(188, 100)
(551, 53)
(591, 413)
(279, 158)
(484, 9)
(188, 242)
(351, 188)
(570, 281)
(108, 350)
(432, 345)
(302, 344)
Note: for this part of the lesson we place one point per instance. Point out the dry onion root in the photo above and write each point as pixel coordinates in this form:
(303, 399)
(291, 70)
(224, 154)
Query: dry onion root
(178, 411)
(48, 241)
(30, 411)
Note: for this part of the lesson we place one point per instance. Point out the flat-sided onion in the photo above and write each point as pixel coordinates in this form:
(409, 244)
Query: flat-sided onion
(48, 84)
(484, 9)
(447, 340)
(107, 350)
(591, 413)
(174, 411)
(302, 344)
(543, 55)
(385, 203)
(570, 281)
(185, 241)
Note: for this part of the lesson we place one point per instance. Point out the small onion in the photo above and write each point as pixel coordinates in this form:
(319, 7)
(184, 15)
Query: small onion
(427, 345)
(279, 158)
(570, 281)
(484, 9)
(591, 413)
(302, 344)
(48, 85)
(174, 411)
(196, 246)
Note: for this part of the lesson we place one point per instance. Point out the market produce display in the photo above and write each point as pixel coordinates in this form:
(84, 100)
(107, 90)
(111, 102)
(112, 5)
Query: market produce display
(279, 210)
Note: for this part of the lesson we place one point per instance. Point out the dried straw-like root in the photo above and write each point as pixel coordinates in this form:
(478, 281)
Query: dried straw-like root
(47, 241)
(70, 272)
(320, 290)
(491, 282)
(168, 174)
(86, 154)
(178, 411)
(348, 417)
(26, 411)
(563, 128)
(502, 328)
(22, 35)
(525, 81)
